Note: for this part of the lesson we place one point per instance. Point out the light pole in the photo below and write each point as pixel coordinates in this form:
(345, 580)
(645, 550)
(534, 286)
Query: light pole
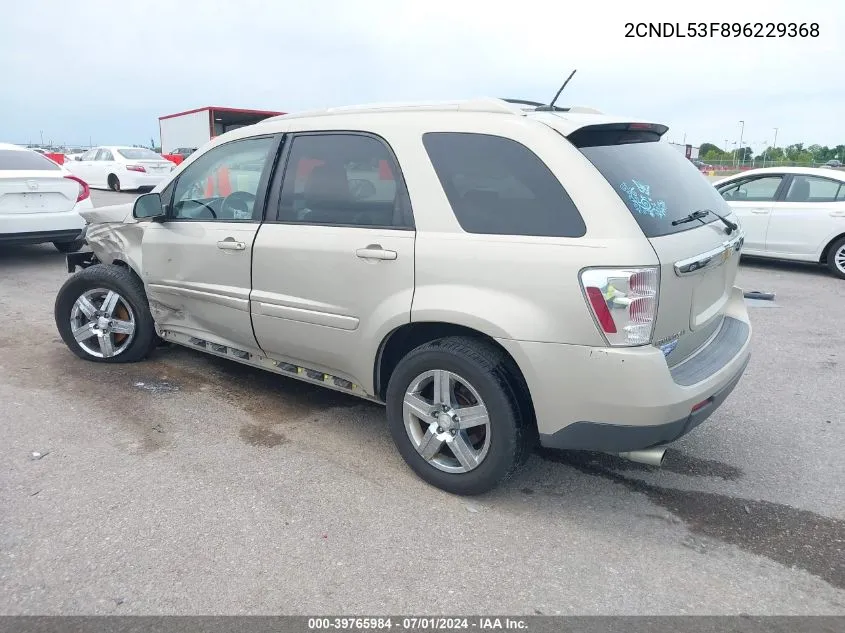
(775, 142)
(741, 132)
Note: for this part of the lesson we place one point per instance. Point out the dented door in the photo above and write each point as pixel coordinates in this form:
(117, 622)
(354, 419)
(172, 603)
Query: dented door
(197, 276)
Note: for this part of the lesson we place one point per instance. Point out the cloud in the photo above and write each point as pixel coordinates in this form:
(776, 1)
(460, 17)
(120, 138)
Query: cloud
(108, 70)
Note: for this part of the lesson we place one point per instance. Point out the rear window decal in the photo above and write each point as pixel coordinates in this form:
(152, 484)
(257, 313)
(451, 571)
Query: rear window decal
(639, 194)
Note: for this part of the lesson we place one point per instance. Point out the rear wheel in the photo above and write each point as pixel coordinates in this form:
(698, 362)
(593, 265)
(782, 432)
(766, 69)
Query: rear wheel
(114, 182)
(836, 258)
(453, 412)
(102, 315)
(69, 247)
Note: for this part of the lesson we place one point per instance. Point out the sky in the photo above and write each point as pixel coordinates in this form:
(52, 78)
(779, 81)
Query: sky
(105, 71)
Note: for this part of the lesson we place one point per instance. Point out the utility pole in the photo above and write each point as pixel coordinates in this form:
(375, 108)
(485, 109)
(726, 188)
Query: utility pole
(741, 132)
(41, 132)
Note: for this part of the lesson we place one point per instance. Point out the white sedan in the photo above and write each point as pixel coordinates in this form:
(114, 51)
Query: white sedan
(793, 213)
(40, 201)
(121, 168)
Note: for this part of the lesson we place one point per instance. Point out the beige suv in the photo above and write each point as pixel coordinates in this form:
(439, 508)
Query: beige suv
(497, 274)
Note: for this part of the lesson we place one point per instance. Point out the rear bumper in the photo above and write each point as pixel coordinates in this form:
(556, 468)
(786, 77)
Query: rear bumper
(622, 399)
(37, 228)
(39, 237)
(136, 180)
(614, 438)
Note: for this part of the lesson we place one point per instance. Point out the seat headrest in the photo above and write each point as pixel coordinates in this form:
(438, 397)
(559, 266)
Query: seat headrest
(327, 185)
(799, 191)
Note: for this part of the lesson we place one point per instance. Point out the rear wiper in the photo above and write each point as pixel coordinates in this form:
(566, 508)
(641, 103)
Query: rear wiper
(697, 215)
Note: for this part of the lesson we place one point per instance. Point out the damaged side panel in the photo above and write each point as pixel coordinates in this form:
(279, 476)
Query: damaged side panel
(114, 241)
(197, 288)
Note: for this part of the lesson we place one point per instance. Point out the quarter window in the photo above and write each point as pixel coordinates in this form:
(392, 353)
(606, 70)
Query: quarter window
(342, 179)
(497, 186)
(223, 183)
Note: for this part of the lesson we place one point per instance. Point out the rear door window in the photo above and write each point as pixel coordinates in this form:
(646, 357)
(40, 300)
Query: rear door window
(812, 189)
(497, 186)
(343, 179)
(656, 182)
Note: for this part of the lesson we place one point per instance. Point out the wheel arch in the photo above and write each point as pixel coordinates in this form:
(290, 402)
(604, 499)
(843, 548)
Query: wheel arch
(826, 250)
(401, 340)
(131, 269)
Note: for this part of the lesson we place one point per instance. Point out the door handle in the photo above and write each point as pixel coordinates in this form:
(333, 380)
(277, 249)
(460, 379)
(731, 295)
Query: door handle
(759, 211)
(375, 251)
(837, 214)
(229, 244)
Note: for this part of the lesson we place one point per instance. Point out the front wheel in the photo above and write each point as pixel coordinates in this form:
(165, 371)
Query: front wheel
(453, 412)
(102, 315)
(836, 258)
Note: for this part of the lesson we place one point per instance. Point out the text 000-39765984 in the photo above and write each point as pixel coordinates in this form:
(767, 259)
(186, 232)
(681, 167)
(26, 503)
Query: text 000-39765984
(721, 29)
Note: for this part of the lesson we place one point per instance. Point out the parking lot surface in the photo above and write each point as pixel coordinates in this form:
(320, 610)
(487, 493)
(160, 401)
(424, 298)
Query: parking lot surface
(187, 484)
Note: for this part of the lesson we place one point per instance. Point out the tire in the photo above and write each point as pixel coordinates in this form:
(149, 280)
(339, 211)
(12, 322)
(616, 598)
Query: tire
(113, 182)
(836, 258)
(109, 339)
(486, 371)
(69, 247)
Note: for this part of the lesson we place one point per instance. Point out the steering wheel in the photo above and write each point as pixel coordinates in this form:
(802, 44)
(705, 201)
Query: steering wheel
(237, 201)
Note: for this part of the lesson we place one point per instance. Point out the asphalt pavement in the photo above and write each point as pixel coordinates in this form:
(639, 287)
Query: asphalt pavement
(187, 484)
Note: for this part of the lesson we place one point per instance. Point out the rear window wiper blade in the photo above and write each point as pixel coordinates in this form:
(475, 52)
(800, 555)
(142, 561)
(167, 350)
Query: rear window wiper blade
(697, 215)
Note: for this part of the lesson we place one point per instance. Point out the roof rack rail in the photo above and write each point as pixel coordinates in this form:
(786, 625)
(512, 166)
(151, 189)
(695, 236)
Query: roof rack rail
(469, 105)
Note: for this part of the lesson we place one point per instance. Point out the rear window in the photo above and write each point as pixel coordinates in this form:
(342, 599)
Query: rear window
(139, 153)
(497, 186)
(657, 183)
(11, 159)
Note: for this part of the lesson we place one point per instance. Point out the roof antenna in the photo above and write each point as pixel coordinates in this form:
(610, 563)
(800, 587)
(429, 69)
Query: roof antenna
(551, 106)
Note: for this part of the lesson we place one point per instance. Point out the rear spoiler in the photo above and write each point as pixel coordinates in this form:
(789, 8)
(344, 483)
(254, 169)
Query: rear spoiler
(617, 134)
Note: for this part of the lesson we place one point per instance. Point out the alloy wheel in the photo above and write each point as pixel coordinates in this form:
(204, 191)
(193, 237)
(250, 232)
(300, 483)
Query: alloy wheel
(447, 421)
(102, 322)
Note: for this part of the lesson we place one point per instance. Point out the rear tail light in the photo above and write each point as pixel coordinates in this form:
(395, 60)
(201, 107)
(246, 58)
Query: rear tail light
(84, 191)
(135, 168)
(623, 302)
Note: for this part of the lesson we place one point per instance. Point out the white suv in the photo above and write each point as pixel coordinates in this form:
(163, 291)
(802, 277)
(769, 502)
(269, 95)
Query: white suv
(495, 274)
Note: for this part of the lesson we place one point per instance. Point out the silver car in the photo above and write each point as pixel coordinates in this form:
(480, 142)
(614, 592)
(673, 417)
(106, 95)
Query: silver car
(497, 275)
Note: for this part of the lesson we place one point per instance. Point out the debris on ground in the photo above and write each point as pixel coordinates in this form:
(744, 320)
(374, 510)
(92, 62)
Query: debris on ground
(757, 294)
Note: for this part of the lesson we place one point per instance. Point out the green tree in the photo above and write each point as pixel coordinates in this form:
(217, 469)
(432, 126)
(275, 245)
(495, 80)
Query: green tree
(744, 154)
(707, 148)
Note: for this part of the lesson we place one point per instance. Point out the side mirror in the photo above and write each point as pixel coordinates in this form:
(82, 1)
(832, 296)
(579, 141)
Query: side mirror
(148, 207)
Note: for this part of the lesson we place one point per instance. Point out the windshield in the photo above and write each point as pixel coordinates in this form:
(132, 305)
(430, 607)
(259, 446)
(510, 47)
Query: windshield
(658, 185)
(138, 153)
(12, 159)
